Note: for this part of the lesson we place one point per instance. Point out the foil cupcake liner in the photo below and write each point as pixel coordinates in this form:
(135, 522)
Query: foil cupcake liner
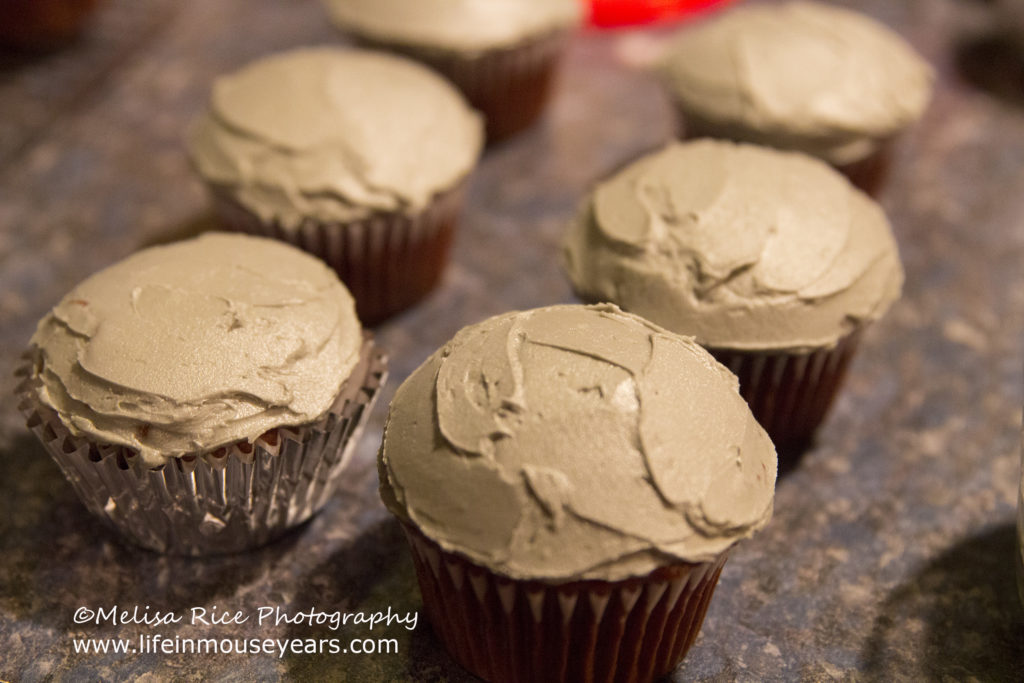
(790, 393)
(388, 261)
(235, 498)
(505, 630)
(509, 86)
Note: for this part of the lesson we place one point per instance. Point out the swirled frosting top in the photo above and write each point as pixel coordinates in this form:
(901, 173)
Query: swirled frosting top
(184, 348)
(743, 247)
(806, 76)
(454, 25)
(335, 135)
(576, 442)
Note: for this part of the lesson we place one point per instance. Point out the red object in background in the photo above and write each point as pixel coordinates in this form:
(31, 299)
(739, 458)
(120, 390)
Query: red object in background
(608, 13)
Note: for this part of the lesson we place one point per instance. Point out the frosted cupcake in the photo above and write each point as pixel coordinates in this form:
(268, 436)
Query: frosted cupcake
(202, 397)
(502, 54)
(571, 480)
(800, 76)
(358, 157)
(772, 260)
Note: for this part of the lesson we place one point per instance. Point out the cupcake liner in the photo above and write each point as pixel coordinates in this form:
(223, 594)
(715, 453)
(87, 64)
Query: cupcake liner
(388, 261)
(790, 393)
(867, 174)
(43, 24)
(509, 86)
(235, 498)
(505, 630)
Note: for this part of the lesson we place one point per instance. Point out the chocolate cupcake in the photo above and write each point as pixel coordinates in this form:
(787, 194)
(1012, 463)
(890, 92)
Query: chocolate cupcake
(571, 480)
(771, 259)
(800, 76)
(502, 54)
(43, 24)
(358, 157)
(202, 397)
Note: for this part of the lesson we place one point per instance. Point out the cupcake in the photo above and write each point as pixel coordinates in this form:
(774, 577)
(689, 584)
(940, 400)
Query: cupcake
(502, 54)
(571, 480)
(202, 397)
(800, 76)
(43, 24)
(358, 157)
(771, 259)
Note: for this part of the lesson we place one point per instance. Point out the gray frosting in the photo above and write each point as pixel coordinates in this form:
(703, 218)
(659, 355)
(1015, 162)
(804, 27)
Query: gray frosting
(743, 247)
(181, 349)
(801, 75)
(576, 442)
(334, 135)
(461, 26)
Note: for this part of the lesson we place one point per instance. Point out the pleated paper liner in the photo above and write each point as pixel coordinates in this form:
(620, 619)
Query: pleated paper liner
(790, 393)
(388, 261)
(232, 499)
(509, 86)
(41, 25)
(868, 174)
(509, 631)
(871, 172)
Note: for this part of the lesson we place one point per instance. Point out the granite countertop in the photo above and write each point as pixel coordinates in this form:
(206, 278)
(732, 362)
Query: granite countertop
(890, 556)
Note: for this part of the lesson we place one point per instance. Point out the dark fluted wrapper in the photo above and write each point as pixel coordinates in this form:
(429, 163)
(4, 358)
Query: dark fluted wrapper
(509, 86)
(388, 261)
(40, 25)
(790, 393)
(870, 173)
(867, 174)
(587, 631)
(232, 499)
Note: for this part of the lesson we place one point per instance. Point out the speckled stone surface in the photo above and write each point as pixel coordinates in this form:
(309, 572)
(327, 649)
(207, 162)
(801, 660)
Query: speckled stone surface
(891, 553)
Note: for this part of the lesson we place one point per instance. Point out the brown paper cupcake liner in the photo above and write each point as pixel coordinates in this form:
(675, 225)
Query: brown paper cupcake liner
(870, 173)
(509, 86)
(790, 393)
(505, 630)
(39, 25)
(867, 174)
(235, 498)
(388, 261)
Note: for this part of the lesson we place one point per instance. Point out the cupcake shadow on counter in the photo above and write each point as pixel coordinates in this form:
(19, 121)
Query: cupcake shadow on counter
(55, 556)
(371, 574)
(966, 601)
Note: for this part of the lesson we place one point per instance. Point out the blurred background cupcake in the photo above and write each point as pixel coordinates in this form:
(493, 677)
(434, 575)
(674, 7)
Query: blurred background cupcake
(358, 157)
(502, 54)
(771, 259)
(202, 397)
(43, 24)
(571, 480)
(800, 76)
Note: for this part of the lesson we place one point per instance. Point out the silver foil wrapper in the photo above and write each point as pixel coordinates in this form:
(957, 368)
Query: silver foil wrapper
(236, 498)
